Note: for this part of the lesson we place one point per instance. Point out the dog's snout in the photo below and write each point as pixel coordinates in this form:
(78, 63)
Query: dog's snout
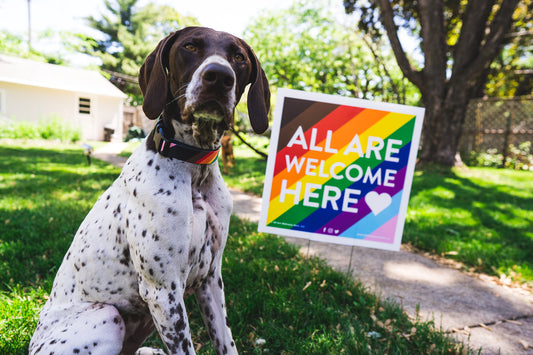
(217, 75)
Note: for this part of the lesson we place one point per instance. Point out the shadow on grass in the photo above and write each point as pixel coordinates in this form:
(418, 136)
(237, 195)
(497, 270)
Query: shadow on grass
(44, 196)
(481, 217)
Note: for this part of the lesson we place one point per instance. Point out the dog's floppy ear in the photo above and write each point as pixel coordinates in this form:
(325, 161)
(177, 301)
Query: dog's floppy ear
(258, 95)
(153, 78)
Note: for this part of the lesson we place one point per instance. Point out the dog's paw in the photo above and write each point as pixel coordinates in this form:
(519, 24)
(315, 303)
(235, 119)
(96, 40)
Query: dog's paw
(149, 351)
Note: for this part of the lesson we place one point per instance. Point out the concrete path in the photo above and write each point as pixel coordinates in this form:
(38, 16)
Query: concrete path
(474, 309)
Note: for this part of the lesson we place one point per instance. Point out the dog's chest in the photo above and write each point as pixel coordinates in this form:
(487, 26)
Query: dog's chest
(190, 211)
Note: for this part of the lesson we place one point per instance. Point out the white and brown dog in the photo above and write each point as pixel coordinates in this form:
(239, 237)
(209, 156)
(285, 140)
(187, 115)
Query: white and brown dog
(157, 234)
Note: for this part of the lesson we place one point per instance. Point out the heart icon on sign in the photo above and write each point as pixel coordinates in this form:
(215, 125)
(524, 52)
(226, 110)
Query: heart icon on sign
(377, 202)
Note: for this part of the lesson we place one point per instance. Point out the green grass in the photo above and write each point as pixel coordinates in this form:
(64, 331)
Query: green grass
(248, 173)
(295, 305)
(481, 217)
(42, 191)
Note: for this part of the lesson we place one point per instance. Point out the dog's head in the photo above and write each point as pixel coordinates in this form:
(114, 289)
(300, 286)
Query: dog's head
(199, 74)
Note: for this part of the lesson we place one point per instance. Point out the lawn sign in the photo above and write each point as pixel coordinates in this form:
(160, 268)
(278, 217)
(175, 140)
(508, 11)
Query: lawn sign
(340, 169)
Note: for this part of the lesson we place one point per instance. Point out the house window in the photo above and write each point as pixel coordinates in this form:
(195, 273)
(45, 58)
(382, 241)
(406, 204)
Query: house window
(84, 106)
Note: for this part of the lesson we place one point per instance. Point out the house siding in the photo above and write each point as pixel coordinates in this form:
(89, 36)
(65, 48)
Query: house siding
(35, 104)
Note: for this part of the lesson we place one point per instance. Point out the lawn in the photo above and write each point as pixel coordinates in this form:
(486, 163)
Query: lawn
(279, 302)
(481, 217)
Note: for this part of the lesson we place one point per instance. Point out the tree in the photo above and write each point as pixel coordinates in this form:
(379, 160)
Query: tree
(459, 40)
(305, 47)
(128, 35)
(15, 45)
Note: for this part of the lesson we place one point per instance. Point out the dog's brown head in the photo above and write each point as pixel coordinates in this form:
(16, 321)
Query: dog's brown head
(199, 74)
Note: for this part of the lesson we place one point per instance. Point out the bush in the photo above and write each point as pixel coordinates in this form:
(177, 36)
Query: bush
(520, 157)
(52, 128)
(488, 159)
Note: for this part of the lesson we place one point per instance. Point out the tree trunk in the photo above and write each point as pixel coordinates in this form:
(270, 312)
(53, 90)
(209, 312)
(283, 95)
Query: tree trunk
(443, 127)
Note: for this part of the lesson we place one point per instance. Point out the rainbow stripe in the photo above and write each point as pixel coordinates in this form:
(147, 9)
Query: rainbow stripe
(312, 174)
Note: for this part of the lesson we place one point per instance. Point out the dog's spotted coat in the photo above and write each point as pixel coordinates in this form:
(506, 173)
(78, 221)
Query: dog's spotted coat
(157, 234)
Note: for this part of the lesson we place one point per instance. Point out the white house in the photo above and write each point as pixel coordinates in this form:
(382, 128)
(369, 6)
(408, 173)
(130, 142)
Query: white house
(34, 91)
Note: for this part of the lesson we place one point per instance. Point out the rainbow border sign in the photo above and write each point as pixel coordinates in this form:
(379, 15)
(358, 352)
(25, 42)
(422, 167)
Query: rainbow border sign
(340, 169)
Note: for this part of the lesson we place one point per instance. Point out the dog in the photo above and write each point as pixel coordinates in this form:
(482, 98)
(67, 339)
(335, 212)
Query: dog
(156, 236)
(228, 159)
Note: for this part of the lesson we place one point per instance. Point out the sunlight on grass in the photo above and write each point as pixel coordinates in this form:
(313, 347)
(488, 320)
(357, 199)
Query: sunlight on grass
(18, 310)
(487, 224)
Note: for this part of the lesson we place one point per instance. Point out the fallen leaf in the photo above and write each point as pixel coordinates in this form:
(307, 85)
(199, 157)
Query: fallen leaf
(306, 285)
(524, 344)
(513, 321)
(485, 327)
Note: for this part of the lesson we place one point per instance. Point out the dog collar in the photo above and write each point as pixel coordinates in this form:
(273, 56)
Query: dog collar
(172, 148)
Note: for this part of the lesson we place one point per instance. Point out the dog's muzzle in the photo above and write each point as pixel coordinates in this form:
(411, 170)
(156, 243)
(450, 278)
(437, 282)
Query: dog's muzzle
(211, 93)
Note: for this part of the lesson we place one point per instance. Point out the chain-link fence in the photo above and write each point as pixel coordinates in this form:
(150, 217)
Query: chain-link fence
(496, 124)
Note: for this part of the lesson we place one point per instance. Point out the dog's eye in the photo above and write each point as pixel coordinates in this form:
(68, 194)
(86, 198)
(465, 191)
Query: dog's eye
(191, 47)
(239, 57)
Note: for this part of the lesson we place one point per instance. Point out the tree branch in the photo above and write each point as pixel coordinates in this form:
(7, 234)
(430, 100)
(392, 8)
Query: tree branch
(263, 155)
(434, 42)
(499, 28)
(387, 18)
(472, 32)
(381, 62)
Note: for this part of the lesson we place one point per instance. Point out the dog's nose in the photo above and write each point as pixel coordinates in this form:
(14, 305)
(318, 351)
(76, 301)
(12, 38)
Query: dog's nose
(217, 75)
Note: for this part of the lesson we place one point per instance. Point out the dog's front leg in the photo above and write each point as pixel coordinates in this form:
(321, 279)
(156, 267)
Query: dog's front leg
(161, 270)
(167, 307)
(210, 298)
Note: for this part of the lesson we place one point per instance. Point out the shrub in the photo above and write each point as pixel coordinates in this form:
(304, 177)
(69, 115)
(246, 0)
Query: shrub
(488, 159)
(520, 157)
(52, 128)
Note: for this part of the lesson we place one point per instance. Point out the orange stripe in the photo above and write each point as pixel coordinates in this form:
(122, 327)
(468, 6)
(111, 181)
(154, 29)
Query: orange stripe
(209, 158)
